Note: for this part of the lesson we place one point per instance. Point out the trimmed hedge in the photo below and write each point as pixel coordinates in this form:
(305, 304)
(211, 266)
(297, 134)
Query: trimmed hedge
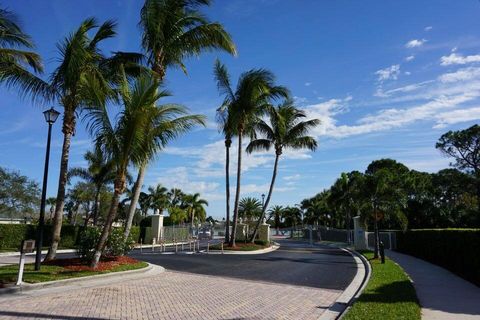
(454, 249)
(11, 235)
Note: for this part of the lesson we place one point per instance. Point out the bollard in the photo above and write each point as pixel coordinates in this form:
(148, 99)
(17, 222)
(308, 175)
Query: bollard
(208, 246)
(176, 247)
(153, 244)
(382, 252)
(222, 247)
(182, 246)
(190, 244)
(140, 246)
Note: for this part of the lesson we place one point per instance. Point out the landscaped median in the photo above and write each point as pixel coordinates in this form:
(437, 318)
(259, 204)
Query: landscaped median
(245, 247)
(389, 294)
(62, 269)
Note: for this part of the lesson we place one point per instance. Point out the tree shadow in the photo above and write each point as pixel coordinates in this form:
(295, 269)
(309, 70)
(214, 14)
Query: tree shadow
(398, 291)
(36, 315)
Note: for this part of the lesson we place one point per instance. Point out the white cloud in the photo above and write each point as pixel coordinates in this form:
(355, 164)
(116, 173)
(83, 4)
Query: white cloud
(458, 59)
(464, 74)
(457, 116)
(292, 177)
(415, 43)
(404, 89)
(428, 28)
(410, 58)
(308, 84)
(391, 72)
(407, 73)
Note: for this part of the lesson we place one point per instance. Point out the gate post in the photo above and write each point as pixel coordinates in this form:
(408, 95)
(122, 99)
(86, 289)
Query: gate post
(359, 236)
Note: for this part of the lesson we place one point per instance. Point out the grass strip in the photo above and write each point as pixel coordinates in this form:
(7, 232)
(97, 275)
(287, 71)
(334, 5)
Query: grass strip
(389, 294)
(8, 274)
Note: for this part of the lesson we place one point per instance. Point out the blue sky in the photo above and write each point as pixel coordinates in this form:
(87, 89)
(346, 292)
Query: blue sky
(386, 78)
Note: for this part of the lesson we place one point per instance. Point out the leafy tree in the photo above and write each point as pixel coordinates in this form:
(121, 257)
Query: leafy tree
(51, 202)
(18, 64)
(158, 198)
(100, 172)
(82, 79)
(126, 141)
(277, 213)
(249, 208)
(177, 214)
(19, 195)
(292, 216)
(172, 31)
(464, 147)
(254, 92)
(195, 207)
(286, 130)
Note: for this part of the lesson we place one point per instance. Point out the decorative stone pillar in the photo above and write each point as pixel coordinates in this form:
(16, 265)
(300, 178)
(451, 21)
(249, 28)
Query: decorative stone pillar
(157, 227)
(359, 235)
(264, 232)
(241, 234)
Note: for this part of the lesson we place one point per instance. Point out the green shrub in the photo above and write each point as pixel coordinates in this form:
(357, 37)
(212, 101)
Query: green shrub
(86, 246)
(115, 246)
(135, 233)
(454, 249)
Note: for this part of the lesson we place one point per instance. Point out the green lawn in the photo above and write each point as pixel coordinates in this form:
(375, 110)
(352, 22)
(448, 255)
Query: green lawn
(389, 294)
(8, 274)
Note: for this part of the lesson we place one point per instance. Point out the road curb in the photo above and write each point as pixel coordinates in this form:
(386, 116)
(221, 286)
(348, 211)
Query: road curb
(11, 254)
(272, 248)
(338, 309)
(25, 287)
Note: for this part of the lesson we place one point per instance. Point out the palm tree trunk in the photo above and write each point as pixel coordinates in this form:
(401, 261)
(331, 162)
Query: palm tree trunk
(192, 216)
(228, 142)
(376, 234)
(267, 201)
(237, 194)
(96, 206)
(133, 204)
(119, 186)
(68, 128)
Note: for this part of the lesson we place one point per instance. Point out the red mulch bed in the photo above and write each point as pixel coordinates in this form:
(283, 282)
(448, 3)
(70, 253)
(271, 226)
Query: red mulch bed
(76, 264)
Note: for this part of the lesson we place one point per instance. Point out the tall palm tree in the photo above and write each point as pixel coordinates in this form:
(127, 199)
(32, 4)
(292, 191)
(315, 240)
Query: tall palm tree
(286, 130)
(82, 79)
(168, 123)
(173, 30)
(195, 205)
(249, 208)
(250, 100)
(126, 141)
(18, 64)
(226, 126)
(100, 172)
(175, 196)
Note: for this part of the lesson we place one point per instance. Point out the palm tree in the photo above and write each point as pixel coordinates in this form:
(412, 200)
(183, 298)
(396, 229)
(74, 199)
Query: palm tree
(195, 205)
(169, 122)
(15, 62)
(249, 208)
(226, 126)
(277, 213)
(286, 130)
(126, 141)
(175, 196)
(100, 172)
(255, 89)
(51, 202)
(82, 79)
(158, 198)
(173, 30)
(177, 214)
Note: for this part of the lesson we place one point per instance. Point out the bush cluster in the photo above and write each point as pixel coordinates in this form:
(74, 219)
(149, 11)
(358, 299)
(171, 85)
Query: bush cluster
(454, 249)
(116, 243)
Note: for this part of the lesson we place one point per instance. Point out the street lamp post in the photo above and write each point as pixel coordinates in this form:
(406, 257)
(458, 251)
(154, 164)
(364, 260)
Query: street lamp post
(51, 116)
(263, 200)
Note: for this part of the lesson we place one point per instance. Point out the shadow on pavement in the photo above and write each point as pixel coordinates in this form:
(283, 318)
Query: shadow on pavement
(31, 315)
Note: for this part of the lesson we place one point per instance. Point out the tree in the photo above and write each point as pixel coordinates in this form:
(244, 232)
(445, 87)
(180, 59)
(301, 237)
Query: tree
(19, 195)
(100, 172)
(177, 214)
(286, 130)
(194, 205)
(126, 141)
(83, 79)
(175, 197)
(249, 208)
(173, 30)
(292, 216)
(227, 127)
(464, 147)
(158, 198)
(18, 64)
(384, 195)
(51, 202)
(254, 92)
(277, 213)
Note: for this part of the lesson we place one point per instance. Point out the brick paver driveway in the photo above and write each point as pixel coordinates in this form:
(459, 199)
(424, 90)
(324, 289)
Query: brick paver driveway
(178, 295)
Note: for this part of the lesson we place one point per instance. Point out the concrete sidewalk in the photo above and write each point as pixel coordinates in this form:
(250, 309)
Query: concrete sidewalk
(442, 294)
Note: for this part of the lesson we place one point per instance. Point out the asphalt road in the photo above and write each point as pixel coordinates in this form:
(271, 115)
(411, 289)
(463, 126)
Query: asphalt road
(294, 263)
